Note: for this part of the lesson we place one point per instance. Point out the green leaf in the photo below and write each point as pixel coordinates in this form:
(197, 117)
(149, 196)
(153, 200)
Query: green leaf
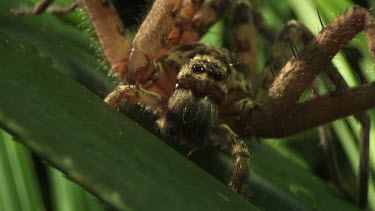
(19, 188)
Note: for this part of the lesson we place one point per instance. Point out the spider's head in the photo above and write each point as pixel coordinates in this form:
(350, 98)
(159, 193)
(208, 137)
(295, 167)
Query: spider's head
(201, 88)
(205, 75)
(203, 69)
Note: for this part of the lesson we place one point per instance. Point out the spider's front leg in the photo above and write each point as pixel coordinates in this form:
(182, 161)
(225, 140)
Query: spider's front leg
(239, 150)
(136, 95)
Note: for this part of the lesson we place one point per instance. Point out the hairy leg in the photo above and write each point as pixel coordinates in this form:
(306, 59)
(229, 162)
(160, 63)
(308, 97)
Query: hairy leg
(110, 32)
(320, 109)
(136, 95)
(278, 106)
(192, 20)
(293, 37)
(312, 113)
(293, 34)
(168, 24)
(107, 24)
(239, 150)
(262, 28)
(243, 39)
(299, 72)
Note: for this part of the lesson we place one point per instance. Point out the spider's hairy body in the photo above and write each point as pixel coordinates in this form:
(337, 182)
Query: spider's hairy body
(209, 87)
(207, 78)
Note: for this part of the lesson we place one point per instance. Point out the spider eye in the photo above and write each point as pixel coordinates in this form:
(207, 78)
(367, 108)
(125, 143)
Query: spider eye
(216, 75)
(197, 68)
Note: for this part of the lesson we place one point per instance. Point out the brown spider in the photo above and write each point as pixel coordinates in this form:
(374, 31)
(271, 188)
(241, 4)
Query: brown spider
(203, 95)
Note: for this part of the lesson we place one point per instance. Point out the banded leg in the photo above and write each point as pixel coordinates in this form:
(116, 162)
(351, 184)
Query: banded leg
(279, 103)
(136, 95)
(279, 61)
(262, 28)
(298, 74)
(293, 37)
(168, 24)
(281, 52)
(296, 33)
(243, 39)
(43, 6)
(293, 34)
(110, 32)
(192, 21)
(239, 150)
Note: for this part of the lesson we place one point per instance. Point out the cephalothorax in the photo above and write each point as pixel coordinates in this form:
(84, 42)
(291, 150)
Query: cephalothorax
(202, 94)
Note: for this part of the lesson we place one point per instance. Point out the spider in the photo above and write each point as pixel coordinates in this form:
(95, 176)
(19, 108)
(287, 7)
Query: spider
(203, 95)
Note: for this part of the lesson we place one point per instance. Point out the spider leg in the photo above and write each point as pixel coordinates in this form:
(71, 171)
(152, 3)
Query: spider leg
(110, 32)
(168, 24)
(327, 144)
(191, 24)
(243, 39)
(299, 72)
(239, 150)
(43, 6)
(321, 110)
(108, 26)
(317, 111)
(296, 33)
(280, 54)
(262, 28)
(136, 95)
(293, 32)
(364, 140)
